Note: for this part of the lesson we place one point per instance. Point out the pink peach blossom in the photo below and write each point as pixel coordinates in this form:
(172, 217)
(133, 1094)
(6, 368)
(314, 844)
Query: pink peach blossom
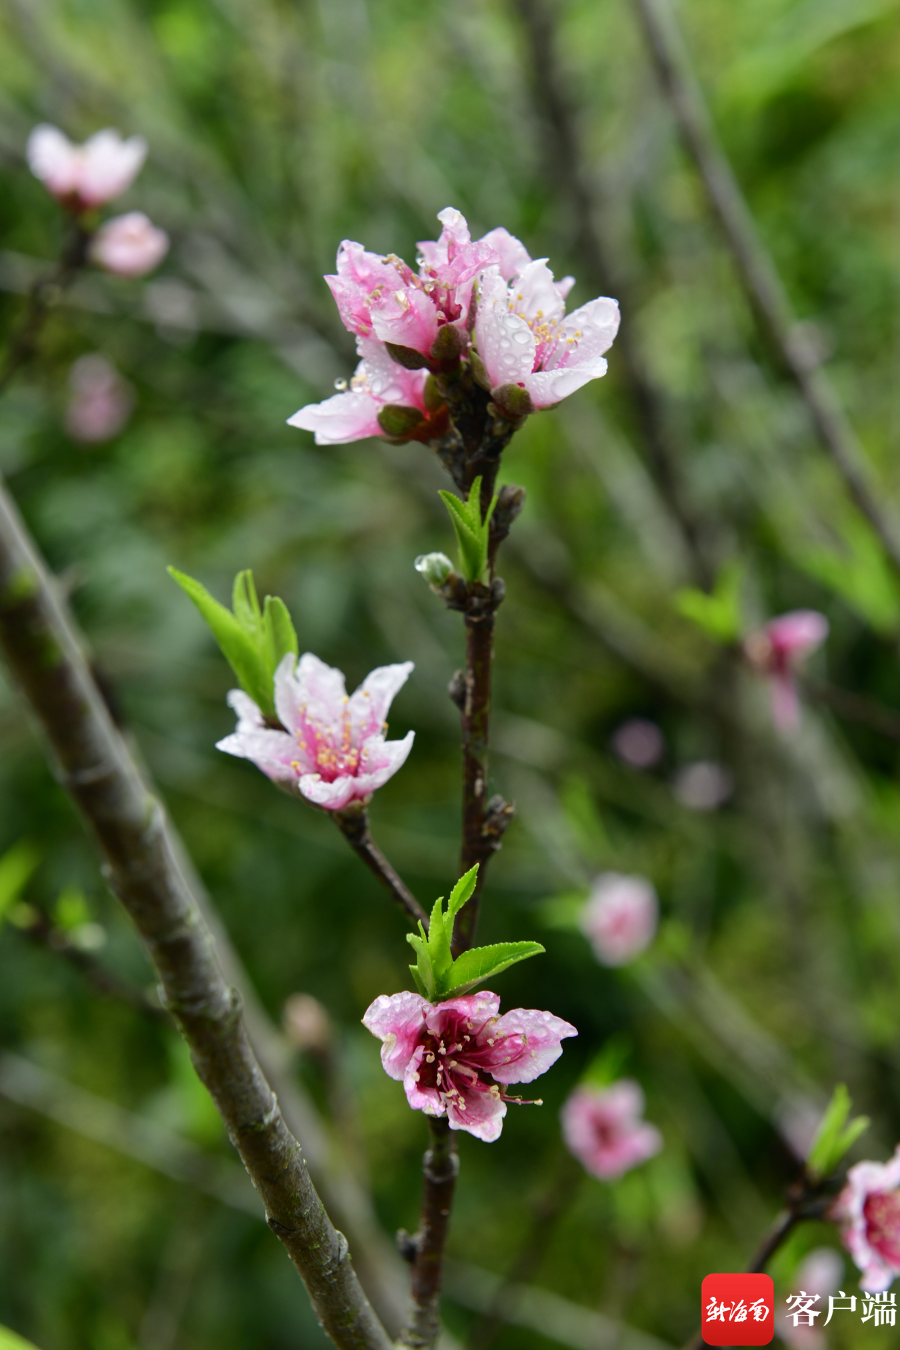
(332, 748)
(455, 1058)
(101, 401)
(868, 1210)
(777, 650)
(84, 176)
(603, 1129)
(620, 917)
(383, 297)
(129, 245)
(353, 414)
(526, 341)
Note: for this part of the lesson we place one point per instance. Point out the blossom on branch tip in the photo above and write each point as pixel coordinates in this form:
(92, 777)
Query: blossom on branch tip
(868, 1211)
(353, 413)
(777, 650)
(603, 1128)
(620, 918)
(332, 748)
(533, 353)
(455, 1058)
(129, 245)
(89, 175)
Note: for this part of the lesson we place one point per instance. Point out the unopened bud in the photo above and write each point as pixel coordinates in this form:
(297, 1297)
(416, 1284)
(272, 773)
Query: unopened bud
(434, 567)
(306, 1023)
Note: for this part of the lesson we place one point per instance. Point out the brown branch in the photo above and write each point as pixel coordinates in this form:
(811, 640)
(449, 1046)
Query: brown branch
(440, 1167)
(756, 269)
(142, 869)
(854, 707)
(353, 823)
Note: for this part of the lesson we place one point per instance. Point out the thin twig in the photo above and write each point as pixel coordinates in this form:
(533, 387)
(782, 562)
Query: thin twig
(43, 295)
(130, 828)
(353, 823)
(756, 269)
(854, 707)
(440, 1167)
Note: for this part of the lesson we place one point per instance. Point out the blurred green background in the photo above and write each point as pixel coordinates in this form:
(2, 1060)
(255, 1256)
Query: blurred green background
(276, 129)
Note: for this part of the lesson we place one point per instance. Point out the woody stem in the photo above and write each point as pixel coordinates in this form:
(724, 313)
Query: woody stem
(42, 296)
(440, 1167)
(477, 846)
(353, 823)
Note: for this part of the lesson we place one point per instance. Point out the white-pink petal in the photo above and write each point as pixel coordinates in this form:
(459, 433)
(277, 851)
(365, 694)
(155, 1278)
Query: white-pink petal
(350, 416)
(547, 387)
(543, 1035)
(396, 1019)
(505, 343)
(370, 703)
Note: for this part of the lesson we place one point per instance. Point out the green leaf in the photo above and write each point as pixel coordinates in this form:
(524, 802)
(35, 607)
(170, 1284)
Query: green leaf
(245, 602)
(423, 969)
(719, 614)
(478, 965)
(835, 1136)
(16, 866)
(439, 933)
(236, 644)
(9, 1340)
(471, 531)
(462, 891)
(279, 634)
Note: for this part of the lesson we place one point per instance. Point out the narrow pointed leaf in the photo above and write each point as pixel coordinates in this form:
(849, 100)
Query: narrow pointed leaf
(245, 602)
(462, 892)
(480, 964)
(235, 644)
(439, 942)
(414, 970)
(834, 1135)
(279, 634)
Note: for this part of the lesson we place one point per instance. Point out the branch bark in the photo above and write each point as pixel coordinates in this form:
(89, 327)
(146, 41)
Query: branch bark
(757, 272)
(142, 869)
(440, 1168)
(353, 823)
(42, 296)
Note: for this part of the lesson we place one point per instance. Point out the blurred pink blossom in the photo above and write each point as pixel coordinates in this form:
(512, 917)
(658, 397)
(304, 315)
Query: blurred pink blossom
(620, 917)
(533, 353)
(333, 749)
(101, 401)
(820, 1272)
(868, 1210)
(454, 1058)
(639, 742)
(777, 650)
(84, 176)
(703, 785)
(129, 245)
(603, 1128)
(353, 413)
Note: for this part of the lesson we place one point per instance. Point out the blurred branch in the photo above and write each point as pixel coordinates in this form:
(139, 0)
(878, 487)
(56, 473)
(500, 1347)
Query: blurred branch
(353, 823)
(44, 293)
(854, 707)
(546, 1211)
(756, 269)
(44, 933)
(73, 1107)
(565, 166)
(142, 868)
(548, 1314)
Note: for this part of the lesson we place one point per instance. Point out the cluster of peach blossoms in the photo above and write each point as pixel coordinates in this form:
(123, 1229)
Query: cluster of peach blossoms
(486, 301)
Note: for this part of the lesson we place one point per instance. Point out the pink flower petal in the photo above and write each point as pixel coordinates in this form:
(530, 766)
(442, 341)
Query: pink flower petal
(406, 317)
(620, 917)
(798, 632)
(271, 752)
(541, 1036)
(110, 166)
(548, 387)
(536, 296)
(511, 256)
(479, 1113)
(505, 343)
(370, 703)
(341, 418)
(396, 1019)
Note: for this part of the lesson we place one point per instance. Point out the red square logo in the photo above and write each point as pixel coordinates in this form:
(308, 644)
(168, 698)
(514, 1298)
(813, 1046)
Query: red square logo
(737, 1310)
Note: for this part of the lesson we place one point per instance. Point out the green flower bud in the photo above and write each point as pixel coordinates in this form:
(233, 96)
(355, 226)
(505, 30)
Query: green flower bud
(434, 567)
